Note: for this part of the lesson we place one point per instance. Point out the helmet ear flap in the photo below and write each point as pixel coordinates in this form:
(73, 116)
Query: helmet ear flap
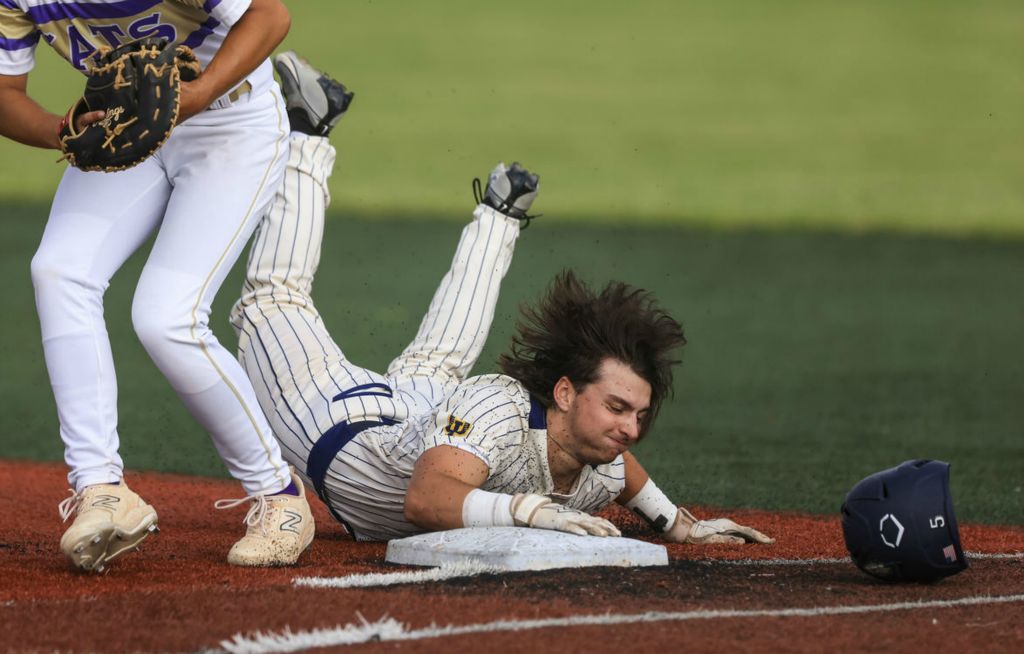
(899, 524)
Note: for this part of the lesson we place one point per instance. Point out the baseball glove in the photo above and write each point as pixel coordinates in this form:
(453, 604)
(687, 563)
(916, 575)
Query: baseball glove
(138, 85)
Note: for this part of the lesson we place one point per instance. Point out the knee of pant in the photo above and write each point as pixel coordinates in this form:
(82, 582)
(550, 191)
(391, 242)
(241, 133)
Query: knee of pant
(50, 271)
(161, 325)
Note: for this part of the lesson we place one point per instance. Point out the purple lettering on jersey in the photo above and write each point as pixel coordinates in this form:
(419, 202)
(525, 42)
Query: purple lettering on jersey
(79, 48)
(19, 44)
(67, 10)
(151, 26)
(9, 4)
(209, 5)
(111, 33)
(195, 39)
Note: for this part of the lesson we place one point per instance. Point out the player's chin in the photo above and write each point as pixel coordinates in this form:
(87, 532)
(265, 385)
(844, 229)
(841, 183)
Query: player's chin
(609, 454)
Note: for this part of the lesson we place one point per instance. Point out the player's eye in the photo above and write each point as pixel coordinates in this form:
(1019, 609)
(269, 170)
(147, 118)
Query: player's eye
(614, 408)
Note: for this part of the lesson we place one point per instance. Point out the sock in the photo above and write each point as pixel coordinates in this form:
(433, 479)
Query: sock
(299, 123)
(290, 489)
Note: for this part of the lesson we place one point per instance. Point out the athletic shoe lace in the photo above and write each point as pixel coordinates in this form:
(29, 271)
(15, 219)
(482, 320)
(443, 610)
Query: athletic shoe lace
(69, 505)
(256, 513)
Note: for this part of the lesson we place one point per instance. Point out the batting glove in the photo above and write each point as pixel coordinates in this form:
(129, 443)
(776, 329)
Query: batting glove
(688, 529)
(540, 512)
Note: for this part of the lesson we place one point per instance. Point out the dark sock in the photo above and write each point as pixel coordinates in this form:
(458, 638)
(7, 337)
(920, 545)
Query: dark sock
(299, 123)
(290, 489)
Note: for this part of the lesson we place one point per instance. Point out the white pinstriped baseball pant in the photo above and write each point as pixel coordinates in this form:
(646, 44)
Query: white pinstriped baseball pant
(303, 380)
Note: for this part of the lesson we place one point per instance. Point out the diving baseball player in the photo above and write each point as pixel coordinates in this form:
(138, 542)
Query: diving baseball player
(422, 446)
(203, 193)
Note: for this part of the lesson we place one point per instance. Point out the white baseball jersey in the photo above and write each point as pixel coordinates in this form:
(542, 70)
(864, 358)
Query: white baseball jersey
(492, 417)
(78, 30)
(355, 434)
(204, 192)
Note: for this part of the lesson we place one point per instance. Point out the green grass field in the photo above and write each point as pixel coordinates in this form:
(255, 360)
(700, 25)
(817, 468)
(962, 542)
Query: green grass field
(829, 195)
(867, 115)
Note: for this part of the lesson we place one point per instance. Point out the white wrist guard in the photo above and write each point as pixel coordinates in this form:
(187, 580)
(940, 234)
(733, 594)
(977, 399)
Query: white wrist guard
(654, 507)
(484, 509)
(524, 507)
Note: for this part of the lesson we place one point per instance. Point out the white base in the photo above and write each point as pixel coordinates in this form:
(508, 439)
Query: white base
(521, 548)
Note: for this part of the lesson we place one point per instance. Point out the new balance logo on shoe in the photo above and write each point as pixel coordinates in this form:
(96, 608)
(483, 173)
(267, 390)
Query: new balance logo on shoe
(106, 501)
(291, 522)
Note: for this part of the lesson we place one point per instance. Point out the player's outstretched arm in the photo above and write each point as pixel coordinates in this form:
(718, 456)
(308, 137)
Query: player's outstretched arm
(674, 523)
(251, 40)
(22, 119)
(441, 480)
(444, 493)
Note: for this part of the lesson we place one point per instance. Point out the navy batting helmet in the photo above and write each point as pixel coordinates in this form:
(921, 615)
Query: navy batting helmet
(899, 523)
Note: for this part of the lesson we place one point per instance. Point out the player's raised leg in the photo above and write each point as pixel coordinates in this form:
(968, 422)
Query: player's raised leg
(455, 327)
(297, 369)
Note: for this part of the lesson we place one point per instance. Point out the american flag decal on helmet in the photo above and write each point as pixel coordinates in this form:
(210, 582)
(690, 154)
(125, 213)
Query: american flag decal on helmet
(950, 553)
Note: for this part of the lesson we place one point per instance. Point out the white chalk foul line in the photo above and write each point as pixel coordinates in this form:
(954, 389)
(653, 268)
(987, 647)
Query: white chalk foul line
(389, 629)
(990, 555)
(468, 569)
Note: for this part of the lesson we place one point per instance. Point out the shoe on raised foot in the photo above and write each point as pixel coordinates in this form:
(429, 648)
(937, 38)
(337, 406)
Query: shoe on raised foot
(315, 102)
(280, 528)
(110, 519)
(510, 190)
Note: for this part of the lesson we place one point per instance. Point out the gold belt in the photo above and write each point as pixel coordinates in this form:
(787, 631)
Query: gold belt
(239, 91)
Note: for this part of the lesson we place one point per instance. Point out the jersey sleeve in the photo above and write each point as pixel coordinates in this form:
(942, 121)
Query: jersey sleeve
(226, 12)
(486, 422)
(18, 40)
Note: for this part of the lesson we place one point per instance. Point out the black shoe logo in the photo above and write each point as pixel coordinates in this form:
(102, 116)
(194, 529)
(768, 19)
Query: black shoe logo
(106, 501)
(292, 522)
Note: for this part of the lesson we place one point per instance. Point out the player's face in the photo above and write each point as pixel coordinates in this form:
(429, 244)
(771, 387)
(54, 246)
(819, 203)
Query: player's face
(604, 417)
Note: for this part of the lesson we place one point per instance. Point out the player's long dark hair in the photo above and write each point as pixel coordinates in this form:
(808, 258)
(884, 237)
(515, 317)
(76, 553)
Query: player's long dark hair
(572, 330)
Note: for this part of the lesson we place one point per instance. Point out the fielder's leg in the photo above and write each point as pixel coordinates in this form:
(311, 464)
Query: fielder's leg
(96, 222)
(223, 186)
(454, 330)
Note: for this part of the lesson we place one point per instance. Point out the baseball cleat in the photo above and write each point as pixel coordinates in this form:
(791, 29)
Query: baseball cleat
(510, 191)
(110, 520)
(280, 528)
(315, 101)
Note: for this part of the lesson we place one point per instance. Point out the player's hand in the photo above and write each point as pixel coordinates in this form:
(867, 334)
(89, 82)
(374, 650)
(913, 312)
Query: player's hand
(688, 529)
(540, 512)
(81, 122)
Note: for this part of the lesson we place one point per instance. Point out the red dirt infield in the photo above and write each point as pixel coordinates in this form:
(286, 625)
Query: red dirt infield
(179, 594)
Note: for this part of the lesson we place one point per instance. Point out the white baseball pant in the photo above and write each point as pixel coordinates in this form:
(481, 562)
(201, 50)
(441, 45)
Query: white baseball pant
(204, 191)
